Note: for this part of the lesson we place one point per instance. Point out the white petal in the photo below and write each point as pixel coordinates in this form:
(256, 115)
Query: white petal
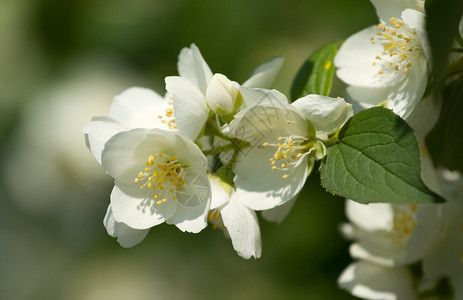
(192, 66)
(119, 158)
(259, 187)
(98, 132)
(177, 144)
(253, 96)
(266, 122)
(377, 251)
(277, 214)
(424, 116)
(446, 259)
(348, 231)
(369, 281)
(417, 21)
(393, 8)
(371, 217)
(264, 75)
(191, 219)
(127, 237)
(196, 191)
(193, 203)
(406, 97)
(368, 97)
(355, 59)
(428, 228)
(137, 209)
(243, 227)
(220, 192)
(190, 108)
(139, 108)
(325, 113)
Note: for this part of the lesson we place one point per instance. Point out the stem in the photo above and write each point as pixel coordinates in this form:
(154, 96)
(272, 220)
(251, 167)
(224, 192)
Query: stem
(213, 130)
(333, 138)
(218, 150)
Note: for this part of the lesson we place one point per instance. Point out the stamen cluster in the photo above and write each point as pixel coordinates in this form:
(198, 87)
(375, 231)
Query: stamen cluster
(164, 175)
(290, 152)
(168, 117)
(403, 224)
(398, 43)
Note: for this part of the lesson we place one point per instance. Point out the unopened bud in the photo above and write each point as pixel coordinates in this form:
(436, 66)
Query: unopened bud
(222, 97)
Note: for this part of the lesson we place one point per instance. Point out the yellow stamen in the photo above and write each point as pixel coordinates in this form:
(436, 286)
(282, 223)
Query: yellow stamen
(327, 65)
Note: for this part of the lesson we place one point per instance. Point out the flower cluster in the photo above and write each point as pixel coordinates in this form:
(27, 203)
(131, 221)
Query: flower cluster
(216, 152)
(388, 64)
(211, 151)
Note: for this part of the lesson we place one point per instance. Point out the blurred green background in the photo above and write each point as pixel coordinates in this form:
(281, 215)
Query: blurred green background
(61, 63)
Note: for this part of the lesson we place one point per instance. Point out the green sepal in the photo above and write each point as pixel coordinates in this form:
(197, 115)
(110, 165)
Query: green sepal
(316, 75)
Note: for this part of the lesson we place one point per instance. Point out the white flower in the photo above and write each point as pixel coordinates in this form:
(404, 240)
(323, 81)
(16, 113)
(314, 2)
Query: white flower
(371, 281)
(388, 61)
(160, 176)
(222, 96)
(238, 221)
(283, 142)
(389, 234)
(446, 258)
(394, 234)
(133, 108)
(189, 89)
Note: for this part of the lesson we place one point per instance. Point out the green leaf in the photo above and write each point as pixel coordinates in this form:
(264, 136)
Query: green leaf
(377, 159)
(316, 74)
(445, 141)
(443, 17)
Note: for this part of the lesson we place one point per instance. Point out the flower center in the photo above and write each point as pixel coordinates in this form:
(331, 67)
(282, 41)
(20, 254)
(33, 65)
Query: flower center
(403, 224)
(215, 219)
(168, 117)
(164, 175)
(290, 152)
(400, 46)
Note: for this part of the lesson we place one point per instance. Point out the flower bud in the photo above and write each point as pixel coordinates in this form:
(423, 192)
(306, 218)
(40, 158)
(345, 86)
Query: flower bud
(222, 97)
